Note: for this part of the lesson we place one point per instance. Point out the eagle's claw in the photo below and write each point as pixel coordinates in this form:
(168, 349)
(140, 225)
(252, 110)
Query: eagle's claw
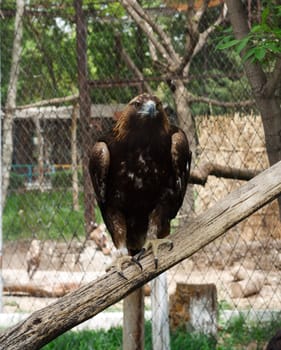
(120, 261)
(154, 244)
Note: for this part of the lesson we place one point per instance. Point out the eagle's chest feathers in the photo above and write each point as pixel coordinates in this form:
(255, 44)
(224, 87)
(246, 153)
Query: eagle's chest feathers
(141, 169)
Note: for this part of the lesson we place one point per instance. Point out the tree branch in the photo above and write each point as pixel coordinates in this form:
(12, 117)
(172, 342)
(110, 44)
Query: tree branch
(200, 175)
(202, 39)
(51, 101)
(246, 103)
(130, 63)
(164, 38)
(149, 27)
(76, 307)
(238, 18)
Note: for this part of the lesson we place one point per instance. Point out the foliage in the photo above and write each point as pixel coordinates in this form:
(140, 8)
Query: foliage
(63, 179)
(237, 334)
(47, 215)
(16, 181)
(48, 62)
(112, 340)
(263, 43)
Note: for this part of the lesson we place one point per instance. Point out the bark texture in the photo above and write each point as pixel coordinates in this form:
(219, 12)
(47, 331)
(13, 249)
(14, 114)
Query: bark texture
(264, 86)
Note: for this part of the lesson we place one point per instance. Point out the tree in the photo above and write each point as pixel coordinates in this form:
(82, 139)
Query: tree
(11, 100)
(264, 79)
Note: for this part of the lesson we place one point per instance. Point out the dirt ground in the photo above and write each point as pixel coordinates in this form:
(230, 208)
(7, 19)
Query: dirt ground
(65, 263)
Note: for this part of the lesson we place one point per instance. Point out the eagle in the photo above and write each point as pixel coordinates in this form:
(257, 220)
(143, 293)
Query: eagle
(139, 171)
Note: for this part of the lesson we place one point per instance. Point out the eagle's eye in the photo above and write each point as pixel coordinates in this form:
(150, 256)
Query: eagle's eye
(137, 104)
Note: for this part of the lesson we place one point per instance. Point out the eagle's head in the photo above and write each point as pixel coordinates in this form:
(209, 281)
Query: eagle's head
(147, 105)
(144, 110)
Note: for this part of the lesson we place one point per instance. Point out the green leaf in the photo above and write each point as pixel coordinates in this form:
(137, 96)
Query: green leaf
(264, 15)
(228, 44)
(242, 44)
(260, 53)
(249, 54)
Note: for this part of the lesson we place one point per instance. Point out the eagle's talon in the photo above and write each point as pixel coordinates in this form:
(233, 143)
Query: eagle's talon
(156, 262)
(120, 261)
(154, 244)
(140, 254)
(121, 274)
(136, 261)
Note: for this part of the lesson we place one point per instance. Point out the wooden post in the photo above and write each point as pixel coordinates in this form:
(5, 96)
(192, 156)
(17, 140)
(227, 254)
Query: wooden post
(74, 163)
(133, 321)
(40, 152)
(160, 313)
(195, 306)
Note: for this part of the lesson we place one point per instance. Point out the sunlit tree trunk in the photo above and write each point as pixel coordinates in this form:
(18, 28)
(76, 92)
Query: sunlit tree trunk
(264, 86)
(7, 150)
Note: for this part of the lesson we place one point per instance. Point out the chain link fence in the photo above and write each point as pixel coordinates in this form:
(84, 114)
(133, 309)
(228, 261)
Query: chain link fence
(65, 93)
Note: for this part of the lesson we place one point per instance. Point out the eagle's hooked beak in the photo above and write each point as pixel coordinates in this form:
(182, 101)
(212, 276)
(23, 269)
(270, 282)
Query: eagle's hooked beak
(148, 108)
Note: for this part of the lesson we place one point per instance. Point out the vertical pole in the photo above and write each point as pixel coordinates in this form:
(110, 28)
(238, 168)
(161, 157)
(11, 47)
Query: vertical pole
(160, 313)
(133, 321)
(74, 163)
(85, 111)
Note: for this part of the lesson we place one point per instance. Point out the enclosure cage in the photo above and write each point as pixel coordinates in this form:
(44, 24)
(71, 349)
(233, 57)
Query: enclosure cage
(67, 71)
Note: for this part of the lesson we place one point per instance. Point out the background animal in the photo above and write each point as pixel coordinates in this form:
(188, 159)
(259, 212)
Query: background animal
(139, 172)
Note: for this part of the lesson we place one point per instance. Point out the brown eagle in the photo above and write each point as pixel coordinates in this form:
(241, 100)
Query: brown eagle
(139, 172)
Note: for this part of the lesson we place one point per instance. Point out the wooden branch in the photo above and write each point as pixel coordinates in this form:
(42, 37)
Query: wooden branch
(51, 101)
(202, 99)
(203, 37)
(55, 291)
(130, 63)
(200, 176)
(201, 41)
(78, 306)
(163, 37)
(161, 41)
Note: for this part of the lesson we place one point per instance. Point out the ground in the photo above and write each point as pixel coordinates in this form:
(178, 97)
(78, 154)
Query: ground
(58, 269)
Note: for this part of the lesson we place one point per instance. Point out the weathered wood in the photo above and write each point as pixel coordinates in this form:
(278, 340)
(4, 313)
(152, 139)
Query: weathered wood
(195, 307)
(74, 159)
(201, 174)
(133, 321)
(160, 313)
(48, 323)
(65, 112)
(31, 289)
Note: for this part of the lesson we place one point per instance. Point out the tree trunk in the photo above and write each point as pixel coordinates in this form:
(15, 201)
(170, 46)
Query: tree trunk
(85, 113)
(263, 86)
(76, 307)
(7, 148)
(187, 124)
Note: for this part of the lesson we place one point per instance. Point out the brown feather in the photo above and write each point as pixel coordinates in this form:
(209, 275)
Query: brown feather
(140, 171)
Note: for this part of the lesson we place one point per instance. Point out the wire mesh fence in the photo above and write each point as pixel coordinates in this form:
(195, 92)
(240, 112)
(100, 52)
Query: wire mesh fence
(74, 73)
